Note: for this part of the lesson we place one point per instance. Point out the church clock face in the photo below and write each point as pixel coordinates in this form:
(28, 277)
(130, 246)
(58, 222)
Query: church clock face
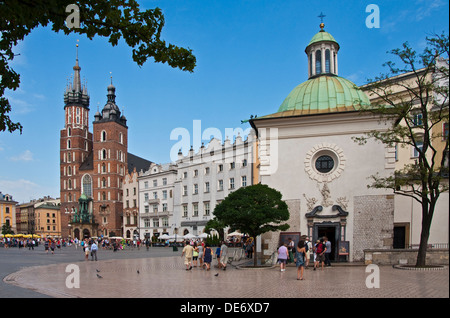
(324, 162)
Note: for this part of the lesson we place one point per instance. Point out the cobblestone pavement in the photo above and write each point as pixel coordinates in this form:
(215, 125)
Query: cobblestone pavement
(162, 274)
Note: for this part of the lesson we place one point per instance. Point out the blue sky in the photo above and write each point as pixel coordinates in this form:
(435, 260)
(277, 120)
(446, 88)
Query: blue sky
(250, 55)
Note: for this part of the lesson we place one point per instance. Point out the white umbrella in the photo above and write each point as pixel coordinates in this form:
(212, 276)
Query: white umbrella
(204, 235)
(164, 237)
(189, 236)
(178, 237)
(235, 234)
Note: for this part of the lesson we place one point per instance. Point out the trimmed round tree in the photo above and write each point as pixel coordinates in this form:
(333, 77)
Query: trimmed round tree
(254, 210)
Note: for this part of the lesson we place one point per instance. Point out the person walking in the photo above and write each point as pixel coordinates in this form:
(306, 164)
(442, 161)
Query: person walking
(309, 249)
(187, 253)
(94, 249)
(53, 246)
(327, 251)
(300, 257)
(224, 255)
(290, 247)
(86, 250)
(195, 254)
(320, 257)
(207, 257)
(249, 248)
(283, 255)
(201, 249)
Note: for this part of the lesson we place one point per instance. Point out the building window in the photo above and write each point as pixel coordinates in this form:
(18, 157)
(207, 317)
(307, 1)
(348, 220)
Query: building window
(145, 185)
(207, 170)
(164, 194)
(220, 185)
(244, 181)
(327, 61)
(164, 207)
(103, 137)
(195, 173)
(185, 191)
(195, 188)
(415, 150)
(206, 208)
(185, 211)
(164, 180)
(318, 62)
(165, 222)
(155, 222)
(87, 185)
(231, 183)
(155, 208)
(324, 164)
(220, 168)
(244, 163)
(195, 208)
(207, 187)
(232, 165)
(145, 196)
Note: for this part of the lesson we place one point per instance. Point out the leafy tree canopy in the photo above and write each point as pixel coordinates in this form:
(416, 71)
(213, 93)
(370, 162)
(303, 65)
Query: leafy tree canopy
(115, 19)
(255, 210)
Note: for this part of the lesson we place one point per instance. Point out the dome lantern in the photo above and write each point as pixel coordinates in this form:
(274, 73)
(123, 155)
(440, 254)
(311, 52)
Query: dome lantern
(322, 54)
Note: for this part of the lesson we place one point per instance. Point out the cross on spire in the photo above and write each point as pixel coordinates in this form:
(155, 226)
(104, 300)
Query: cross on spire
(321, 16)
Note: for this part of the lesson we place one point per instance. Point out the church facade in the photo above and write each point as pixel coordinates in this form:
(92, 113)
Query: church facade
(310, 155)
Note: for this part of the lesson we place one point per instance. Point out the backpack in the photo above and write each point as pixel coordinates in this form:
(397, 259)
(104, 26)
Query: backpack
(319, 248)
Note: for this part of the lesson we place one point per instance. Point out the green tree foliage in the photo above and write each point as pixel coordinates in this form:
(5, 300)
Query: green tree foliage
(114, 19)
(417, 116)
(254, 210)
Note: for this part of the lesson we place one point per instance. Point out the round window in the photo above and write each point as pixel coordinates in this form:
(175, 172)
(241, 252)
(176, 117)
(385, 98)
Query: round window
(324, 164)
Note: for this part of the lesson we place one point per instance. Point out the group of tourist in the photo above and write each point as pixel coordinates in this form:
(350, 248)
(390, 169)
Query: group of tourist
(200, 254)
(301, 254)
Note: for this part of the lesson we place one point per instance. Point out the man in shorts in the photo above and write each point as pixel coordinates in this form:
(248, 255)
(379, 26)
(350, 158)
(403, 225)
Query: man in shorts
(187, 252)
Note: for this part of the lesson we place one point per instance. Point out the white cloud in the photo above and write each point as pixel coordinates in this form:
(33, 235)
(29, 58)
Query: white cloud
(21, 190)
(27, 155)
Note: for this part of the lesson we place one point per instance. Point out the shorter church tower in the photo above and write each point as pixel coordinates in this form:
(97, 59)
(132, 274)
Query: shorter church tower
(110, 150)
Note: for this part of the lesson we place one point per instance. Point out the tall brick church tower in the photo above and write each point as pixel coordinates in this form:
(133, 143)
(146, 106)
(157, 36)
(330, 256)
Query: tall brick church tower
(75, 146)
(93, 165)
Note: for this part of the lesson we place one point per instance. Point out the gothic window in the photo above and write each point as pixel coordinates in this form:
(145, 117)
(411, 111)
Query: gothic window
(103, 183)
(87, 185)
(69, 132)
(103, 138)
(104, 154)
(69, 182)
(103, 168)
(318, 62)
(311, 64)
(68, 144)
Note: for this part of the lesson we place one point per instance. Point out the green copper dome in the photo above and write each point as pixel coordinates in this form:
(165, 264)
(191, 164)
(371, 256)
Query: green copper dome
(323, 94)
(322, 36)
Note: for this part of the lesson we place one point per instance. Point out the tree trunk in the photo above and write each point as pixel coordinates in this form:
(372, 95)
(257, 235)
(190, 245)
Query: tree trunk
(255, 255)
(427, 216)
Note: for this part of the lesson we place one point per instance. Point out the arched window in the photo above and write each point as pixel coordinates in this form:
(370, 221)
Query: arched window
(318, 62)
(327, 61)
(103, 183)
(69, 183)
(311, 64)
(103, 168)
(104, 154)
(103, 135)
(87, 185)
(69, 131)
(68, 144)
